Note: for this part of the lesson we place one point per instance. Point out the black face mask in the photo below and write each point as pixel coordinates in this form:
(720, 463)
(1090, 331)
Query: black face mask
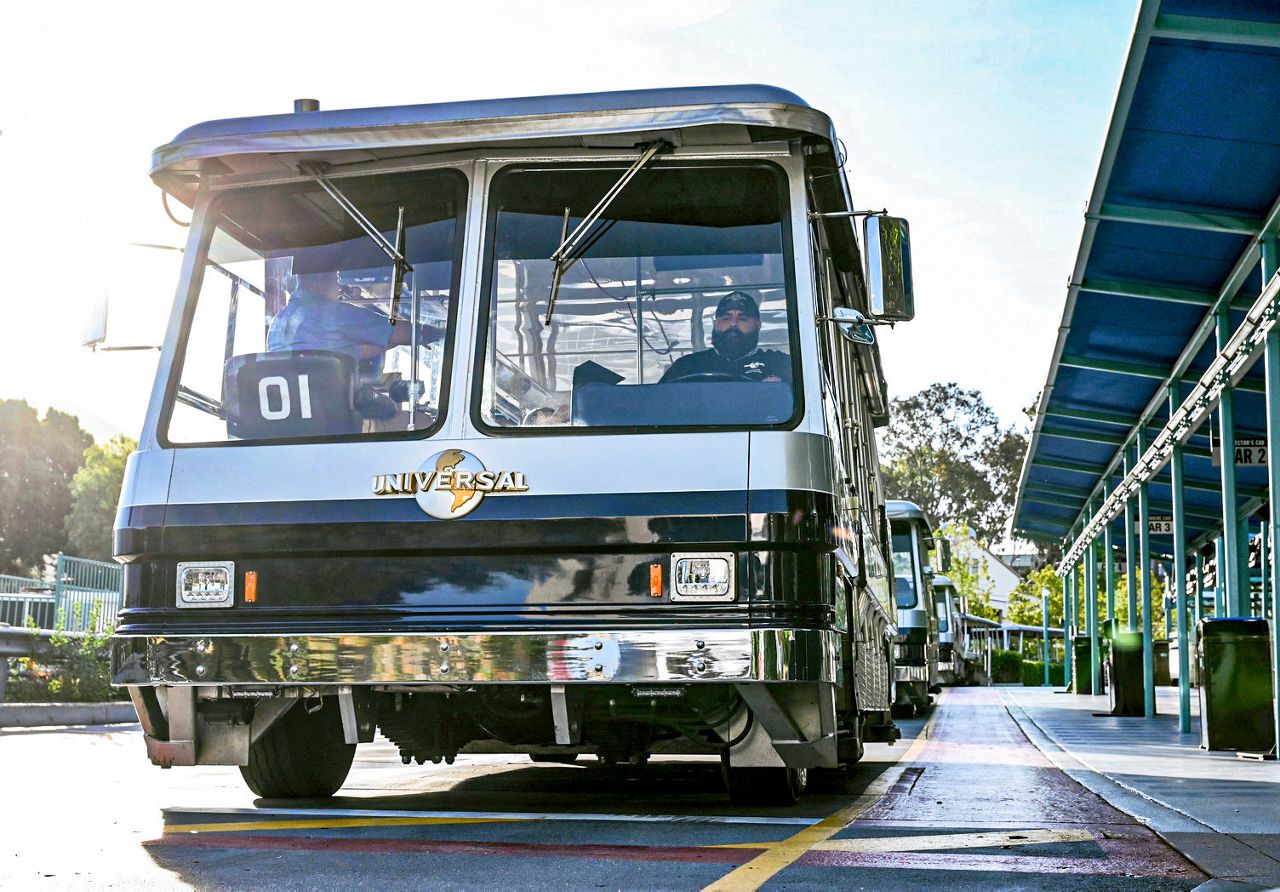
(733, 343)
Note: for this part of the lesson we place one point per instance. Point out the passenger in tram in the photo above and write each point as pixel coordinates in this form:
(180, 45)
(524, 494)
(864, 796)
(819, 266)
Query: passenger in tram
(324, 313)
(734, 354)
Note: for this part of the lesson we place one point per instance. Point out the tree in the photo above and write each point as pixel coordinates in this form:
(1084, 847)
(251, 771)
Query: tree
(38, 459)
(945, 450)
(95, 490)
(1026, 604)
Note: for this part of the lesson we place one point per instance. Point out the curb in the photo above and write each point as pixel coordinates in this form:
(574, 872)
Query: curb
(1221, 866)
(37, 715)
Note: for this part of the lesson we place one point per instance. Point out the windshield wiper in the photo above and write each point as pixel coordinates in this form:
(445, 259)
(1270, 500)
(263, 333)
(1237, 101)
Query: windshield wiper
(572, 246)
(399, 267)
(395, 253)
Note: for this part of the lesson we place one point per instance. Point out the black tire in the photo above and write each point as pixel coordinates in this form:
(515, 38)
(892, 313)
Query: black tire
(554, 758)
(764, 786)
(302, 756)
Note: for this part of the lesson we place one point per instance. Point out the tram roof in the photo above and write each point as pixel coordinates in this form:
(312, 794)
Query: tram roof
(1189, 178)
(723, 115)
(901, 509)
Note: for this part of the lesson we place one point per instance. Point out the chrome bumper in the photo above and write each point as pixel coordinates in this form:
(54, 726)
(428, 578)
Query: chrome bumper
(618, 657)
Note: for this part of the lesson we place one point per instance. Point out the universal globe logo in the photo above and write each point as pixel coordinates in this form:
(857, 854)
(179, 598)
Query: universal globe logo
(450, 484)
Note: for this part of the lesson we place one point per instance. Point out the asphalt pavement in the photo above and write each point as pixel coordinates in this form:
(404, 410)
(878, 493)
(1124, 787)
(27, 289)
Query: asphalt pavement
(964, 801)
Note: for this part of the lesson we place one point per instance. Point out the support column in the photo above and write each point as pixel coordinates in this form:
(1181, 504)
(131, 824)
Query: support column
(1091, 612)
(1272, 377)
(1130, 553)
(1144, 555)
(1068, 593)
(1044, 631)
(1109, 553)
(1219, 578)
(1234, 574)
(1179, 580)
(1198, 607)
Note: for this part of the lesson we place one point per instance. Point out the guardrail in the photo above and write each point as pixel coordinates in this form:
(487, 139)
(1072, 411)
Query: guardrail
(82, 593)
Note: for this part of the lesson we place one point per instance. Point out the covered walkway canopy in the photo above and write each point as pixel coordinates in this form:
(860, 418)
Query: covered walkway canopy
(1156, 361)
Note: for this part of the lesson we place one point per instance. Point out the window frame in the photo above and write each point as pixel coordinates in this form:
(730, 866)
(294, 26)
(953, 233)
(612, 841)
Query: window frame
(209, 222)
(485, 301)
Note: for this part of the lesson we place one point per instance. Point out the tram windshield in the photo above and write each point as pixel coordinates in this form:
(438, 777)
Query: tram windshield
(291, 335)
(678, 313)
(904, 566)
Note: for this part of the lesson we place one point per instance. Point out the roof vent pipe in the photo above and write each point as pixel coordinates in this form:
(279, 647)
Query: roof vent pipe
(305, 105)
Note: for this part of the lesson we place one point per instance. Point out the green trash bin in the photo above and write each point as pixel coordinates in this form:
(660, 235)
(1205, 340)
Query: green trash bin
(1081, 672)
(1124, 674)
(1234, 656)
(1160, 652)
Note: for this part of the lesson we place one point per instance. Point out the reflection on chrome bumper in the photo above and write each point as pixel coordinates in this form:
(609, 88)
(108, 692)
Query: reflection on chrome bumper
(624, 657)
(911, 673)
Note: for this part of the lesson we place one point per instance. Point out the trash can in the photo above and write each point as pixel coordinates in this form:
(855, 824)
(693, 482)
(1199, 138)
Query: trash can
(1234, 656)
(1081, 672)
(1160, 654)
(1124, 674)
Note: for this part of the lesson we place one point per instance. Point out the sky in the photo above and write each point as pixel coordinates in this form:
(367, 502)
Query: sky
(981, 122)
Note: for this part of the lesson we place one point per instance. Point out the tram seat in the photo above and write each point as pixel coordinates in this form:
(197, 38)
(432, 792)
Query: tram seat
(682, 402)
(290, 393)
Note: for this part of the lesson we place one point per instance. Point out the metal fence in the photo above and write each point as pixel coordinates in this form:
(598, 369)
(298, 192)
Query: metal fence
(81, 596)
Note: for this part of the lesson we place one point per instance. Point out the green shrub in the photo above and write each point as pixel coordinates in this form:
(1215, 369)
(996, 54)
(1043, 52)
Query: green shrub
(1033, 673)
(1006, 667)
(70, 670)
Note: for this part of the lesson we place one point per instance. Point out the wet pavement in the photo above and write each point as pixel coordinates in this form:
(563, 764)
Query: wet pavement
(965, 801)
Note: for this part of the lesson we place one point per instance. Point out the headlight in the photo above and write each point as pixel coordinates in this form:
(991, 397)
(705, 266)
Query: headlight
(702, 577)
(210, 584)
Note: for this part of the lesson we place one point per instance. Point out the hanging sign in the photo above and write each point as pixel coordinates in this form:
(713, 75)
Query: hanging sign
(1160, 524)
(1251, 452)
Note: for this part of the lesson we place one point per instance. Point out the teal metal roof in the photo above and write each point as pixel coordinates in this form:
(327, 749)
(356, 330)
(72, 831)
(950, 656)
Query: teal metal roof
(1189, 178)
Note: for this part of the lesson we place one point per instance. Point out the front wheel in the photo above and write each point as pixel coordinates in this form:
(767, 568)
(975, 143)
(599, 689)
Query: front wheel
(764, 786)
(302, 756)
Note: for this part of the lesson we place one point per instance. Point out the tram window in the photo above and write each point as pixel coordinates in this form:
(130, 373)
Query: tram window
(904, 567)
(291, 336)
(638, 336)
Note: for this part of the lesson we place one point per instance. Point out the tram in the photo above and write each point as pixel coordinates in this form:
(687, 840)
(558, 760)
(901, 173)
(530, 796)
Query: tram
(916, 663)
(537, 426)
(946, 605)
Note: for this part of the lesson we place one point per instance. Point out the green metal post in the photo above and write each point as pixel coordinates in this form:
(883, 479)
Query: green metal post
(1044, 631)
(1198, 607)
(1263, 564)
(1130, 557)
(1219, 586)
(1235, 572)
(1109, 554)
(1068, 593)
(1272, 377)
(1179, 580)
(1091, 612)
(1144, 552)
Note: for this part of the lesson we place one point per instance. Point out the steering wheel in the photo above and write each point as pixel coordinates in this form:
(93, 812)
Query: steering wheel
(710, 376)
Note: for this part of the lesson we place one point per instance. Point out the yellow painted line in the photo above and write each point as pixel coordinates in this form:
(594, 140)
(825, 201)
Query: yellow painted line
(233, 826)
(780, 855)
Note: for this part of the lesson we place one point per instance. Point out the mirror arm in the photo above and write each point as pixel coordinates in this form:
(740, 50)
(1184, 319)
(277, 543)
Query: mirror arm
(818, 215)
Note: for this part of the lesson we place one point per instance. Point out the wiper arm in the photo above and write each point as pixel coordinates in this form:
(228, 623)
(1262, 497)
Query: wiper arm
(395, 253)
(571, 246)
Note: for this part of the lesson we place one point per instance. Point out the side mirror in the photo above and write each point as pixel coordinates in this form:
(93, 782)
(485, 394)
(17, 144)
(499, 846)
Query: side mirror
(944, 555)
(95, 323)
(888, 246)
(852, 325)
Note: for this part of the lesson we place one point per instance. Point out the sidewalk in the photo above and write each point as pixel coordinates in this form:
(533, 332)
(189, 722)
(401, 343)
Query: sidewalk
(1220, 811)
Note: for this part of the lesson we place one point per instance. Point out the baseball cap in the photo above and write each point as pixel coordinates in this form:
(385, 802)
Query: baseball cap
(740, 301)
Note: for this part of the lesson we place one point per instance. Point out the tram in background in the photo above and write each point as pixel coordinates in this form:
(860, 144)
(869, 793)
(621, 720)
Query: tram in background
(916, 646)
(946, 607)
(600, 478)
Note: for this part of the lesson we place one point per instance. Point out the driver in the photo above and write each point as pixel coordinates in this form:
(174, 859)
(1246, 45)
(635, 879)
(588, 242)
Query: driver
(317, 318)
(733, 354)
